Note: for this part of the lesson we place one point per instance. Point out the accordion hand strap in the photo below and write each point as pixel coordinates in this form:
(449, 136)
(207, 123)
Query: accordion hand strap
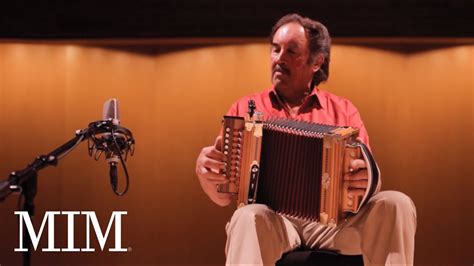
(373, 172)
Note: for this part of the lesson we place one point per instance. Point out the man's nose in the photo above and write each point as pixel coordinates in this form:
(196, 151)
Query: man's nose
(281, 57)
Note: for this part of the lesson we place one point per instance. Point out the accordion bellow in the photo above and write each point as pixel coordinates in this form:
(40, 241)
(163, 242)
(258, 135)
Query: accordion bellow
(296, 168)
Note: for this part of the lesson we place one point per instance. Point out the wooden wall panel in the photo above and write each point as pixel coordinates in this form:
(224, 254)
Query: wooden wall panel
(194, 88)
(442, 92)
(417, 107)
(32, 104)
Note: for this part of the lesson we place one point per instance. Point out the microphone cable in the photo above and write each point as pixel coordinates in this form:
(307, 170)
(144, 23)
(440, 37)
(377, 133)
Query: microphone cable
(100, 145)
(124, 167)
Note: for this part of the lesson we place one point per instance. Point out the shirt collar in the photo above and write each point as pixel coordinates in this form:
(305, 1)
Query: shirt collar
(311, 100)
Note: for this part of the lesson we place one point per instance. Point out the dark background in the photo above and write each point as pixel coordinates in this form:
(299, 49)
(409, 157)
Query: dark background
(213, 18)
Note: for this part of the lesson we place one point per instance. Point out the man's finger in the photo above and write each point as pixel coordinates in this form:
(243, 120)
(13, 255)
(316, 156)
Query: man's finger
(218, 182)
(359, 175)
(357, 164)
(213, 177)
(356, 192)
(216, 154)
(358, 184)
(218, 143)
(213, 164)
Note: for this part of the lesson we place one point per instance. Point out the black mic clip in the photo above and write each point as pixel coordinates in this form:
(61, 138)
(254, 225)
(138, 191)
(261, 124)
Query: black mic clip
(116, 142)
(106, 137)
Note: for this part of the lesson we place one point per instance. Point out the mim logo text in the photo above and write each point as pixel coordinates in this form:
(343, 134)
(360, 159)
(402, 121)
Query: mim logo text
(91, 219)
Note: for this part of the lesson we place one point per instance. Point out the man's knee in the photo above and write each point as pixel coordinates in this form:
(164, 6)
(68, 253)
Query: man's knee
(250, 213)
(395, 202)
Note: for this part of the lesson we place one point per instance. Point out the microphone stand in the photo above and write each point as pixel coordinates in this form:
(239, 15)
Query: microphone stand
(26, 180)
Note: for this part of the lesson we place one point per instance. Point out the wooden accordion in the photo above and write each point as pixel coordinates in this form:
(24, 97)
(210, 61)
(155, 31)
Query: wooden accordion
(296, 168)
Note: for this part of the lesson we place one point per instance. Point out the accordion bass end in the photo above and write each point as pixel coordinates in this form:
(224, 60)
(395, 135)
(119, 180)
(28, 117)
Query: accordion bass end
(294, 167)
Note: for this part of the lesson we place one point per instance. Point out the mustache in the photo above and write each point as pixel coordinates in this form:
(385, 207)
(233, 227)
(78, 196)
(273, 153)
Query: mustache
(281, 69)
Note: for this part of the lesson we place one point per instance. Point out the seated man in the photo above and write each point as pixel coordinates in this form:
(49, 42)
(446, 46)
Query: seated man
(384, 229)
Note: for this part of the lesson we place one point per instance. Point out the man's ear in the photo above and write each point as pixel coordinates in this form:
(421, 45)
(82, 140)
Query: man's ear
(318, 61)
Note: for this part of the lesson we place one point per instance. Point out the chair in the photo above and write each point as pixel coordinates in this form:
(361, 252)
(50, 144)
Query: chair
(319, 257)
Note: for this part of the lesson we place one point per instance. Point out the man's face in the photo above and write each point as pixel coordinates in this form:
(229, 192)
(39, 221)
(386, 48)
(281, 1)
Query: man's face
(289, 59)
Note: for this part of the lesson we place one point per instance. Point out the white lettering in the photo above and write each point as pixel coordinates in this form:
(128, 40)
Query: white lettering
(91, 218)
(70, 231)
(25, 217)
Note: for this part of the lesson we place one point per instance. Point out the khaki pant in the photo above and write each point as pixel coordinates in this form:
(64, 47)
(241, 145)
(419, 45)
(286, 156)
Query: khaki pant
(383, 232)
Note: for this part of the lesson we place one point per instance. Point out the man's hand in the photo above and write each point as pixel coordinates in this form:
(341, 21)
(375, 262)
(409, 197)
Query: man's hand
(357, 177)
(208, 165)
(209, 162)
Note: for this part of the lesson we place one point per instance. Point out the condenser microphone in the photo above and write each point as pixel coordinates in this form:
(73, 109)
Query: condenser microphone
(113, 140)
(111, 113)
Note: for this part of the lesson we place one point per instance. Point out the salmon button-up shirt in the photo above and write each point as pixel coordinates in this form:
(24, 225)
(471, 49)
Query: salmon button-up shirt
(318, 107)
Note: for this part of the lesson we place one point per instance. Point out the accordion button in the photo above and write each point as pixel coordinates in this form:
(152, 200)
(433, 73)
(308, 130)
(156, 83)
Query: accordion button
(226, 152)
(227, 130)
(226, 141)
(227, 135)
(226, 147)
